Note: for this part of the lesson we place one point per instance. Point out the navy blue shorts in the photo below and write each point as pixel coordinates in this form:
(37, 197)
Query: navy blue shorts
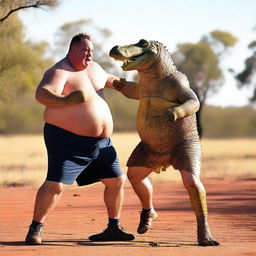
(84, 159)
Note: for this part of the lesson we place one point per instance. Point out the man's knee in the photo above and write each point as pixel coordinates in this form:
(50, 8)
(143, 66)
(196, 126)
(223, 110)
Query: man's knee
(115, 183)
(120, 181)
(52, 187)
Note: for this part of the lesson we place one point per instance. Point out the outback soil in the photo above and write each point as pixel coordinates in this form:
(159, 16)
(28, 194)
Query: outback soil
(81, 212)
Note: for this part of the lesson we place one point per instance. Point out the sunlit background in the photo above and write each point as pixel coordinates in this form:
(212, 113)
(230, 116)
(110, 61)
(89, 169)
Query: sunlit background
(169, 21)
(33, 39)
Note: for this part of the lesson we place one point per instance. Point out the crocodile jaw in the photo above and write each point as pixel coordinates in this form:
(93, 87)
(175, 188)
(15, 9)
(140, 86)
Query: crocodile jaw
(133, 57)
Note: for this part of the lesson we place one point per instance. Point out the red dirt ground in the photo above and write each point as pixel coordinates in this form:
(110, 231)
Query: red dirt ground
(81, 212)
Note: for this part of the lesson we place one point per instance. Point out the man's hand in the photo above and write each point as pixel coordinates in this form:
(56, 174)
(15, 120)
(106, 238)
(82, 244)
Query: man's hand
(75, 97)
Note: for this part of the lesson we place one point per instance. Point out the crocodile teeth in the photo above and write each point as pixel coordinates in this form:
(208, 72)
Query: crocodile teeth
(126, 61)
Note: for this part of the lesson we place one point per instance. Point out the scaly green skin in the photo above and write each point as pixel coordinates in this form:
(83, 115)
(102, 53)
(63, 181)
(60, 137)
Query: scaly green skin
(166, 120)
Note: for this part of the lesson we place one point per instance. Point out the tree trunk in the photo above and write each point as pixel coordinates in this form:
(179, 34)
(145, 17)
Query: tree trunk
(199, 112)
(199, 121)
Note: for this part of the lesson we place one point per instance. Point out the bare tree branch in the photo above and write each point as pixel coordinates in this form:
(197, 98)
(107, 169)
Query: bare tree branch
(29, 4)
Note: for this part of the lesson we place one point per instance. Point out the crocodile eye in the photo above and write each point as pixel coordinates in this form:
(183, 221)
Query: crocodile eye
(143, 43)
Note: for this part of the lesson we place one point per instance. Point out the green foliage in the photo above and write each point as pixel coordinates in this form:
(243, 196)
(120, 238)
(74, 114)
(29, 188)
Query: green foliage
(22, 65)
(8, 7)
(123, 110)
(24, 115)
(229, 122)
(247, 77)
(20, 62)
(201, 65)
(252, 45)
(226, 38)
(200, 62)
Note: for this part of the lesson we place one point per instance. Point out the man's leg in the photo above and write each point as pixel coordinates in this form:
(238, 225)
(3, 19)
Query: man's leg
(144, 190)
(197, 195)
(46, 199)
(114, 195)
(113, 198)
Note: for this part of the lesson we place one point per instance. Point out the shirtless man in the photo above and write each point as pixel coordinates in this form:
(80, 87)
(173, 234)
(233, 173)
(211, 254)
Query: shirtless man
(78, 124)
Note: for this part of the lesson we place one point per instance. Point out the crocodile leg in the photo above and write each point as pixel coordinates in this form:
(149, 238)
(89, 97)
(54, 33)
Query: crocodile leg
(197, 195)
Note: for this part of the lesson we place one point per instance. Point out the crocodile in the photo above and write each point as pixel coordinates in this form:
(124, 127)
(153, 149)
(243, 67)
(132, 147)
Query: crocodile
(166, 119)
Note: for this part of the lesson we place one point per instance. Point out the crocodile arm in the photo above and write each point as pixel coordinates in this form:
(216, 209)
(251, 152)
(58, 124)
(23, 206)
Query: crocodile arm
(188, 108)
(188, 99)
(127, 88)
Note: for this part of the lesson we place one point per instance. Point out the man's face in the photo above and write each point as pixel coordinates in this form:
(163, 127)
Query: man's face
(83, 52)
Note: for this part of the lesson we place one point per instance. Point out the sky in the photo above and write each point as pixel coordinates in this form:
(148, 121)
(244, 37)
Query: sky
(168, 21)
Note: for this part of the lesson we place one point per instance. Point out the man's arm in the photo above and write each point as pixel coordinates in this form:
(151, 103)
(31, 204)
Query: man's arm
(127, 88)
(49, 91)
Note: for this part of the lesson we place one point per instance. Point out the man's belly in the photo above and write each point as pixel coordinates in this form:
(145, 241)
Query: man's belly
(92, 118)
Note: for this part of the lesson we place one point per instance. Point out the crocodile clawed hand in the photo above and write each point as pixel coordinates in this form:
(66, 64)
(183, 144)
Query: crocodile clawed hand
(118, 84)
(208, 242)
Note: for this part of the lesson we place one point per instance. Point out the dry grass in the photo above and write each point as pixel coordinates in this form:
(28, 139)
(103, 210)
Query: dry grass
(229, 158)
(222, 158)
(23, 159)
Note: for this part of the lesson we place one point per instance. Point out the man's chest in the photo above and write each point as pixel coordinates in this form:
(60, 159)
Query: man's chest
(83, 82)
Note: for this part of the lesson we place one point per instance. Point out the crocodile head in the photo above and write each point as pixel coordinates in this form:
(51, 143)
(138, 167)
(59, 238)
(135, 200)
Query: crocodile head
(135, 56)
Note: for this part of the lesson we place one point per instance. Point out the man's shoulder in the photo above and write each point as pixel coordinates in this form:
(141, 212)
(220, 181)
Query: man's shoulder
(95, 65)
(96, 68)
(58, 69)
(61, 65)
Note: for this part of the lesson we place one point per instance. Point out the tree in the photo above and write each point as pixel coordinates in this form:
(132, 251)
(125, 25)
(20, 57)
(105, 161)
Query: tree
(8, 7)
(247, 77)
(21, 63)
(201, 63)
